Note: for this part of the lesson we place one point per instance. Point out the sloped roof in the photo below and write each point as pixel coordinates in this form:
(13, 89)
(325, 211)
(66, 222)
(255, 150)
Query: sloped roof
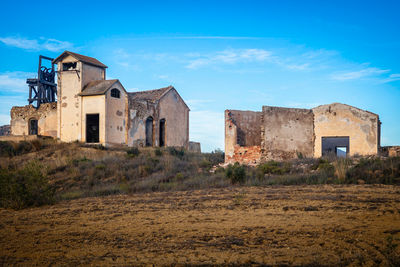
(99, 87)
(152, 95)
(345, 105)
(86, 59)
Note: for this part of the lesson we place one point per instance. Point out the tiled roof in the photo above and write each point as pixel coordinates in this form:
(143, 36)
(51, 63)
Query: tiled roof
(97, 87)
(152, 95)
(86, 59)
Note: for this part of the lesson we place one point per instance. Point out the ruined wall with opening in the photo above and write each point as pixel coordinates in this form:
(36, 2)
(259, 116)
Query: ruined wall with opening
(94, 105)
(138, 112)
(362, 128)
(176, 115)
(286, 133)
(242, 136)
(46, 116)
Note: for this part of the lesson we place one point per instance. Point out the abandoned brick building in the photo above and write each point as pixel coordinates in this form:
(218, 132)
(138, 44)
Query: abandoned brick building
(91, 109)
(278, 133)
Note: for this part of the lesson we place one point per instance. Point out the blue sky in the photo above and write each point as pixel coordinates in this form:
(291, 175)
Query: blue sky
(218, 54)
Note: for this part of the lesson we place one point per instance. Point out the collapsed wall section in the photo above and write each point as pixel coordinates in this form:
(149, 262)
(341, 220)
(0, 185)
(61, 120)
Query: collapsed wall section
(286, 133)
(27, 120)
(242, 136)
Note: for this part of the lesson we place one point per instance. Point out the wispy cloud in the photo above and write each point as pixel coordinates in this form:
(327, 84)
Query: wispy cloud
(40, 44)
(357, 74)
(229, 56)
(15, 81)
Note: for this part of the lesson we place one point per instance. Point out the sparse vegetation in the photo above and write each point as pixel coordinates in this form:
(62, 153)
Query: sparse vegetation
(77, 170)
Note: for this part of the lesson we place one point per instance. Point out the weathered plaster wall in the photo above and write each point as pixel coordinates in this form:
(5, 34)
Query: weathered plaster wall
(286, 132)
(176, 115)
(194, 147)
(242, 136)
(138, 112)
(116, 116)
(93, 105)
(342, 120)
(69, 102)
(46, 115)
(91, 73)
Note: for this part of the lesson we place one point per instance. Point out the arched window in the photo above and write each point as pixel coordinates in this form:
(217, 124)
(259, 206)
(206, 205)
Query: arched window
(33, 127)
(115, 93)
(149, 131)
(162, 132)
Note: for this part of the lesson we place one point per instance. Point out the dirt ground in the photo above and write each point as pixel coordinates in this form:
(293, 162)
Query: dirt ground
(282, 225)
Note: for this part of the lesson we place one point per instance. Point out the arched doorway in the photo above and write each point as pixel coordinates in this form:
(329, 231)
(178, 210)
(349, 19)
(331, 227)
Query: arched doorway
(149, 131)
(162, 132)
(33, 127)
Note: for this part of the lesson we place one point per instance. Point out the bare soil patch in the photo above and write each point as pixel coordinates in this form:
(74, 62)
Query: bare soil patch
(281, 225)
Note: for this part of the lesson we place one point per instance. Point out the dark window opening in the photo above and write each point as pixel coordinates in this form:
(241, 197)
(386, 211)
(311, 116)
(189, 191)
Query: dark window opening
(115, 93)
(92, 128)
(162, 132)
(69, 66)
(33, 127)
(337, 146)
(149, 131)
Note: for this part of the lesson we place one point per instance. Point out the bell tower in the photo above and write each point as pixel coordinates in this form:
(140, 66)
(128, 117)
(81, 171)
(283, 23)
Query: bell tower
(74, 72)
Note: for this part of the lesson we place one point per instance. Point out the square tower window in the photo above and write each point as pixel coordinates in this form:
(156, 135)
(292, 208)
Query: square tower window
(69, 66)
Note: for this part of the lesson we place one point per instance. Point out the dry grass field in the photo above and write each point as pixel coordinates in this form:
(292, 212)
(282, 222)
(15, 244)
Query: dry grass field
(281, 225)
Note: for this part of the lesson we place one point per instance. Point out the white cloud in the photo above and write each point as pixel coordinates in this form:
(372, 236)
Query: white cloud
(207, 127)
(15, 81)
(42, 44)
(392, 77)
(351, 75)
(229, 56)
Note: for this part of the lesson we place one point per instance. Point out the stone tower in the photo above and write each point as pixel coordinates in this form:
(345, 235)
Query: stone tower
(75, 71)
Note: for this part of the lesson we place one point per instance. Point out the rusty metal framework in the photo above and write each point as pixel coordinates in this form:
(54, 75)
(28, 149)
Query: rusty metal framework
(43, 89)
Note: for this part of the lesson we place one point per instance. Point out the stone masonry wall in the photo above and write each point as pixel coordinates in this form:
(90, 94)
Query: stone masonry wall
(46, 115)
(286, 133)
(242, 136)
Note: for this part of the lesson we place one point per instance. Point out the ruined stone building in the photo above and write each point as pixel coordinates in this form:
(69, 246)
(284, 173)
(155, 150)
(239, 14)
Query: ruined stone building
(278, 133)
(91, 109)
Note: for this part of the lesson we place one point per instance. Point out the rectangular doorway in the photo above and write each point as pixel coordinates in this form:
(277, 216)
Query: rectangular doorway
(336, 146)
(92, 128)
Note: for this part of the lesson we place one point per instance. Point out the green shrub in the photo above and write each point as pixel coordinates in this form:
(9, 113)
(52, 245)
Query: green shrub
(179, 153)
(6, 149)
(25, 187)
(23, 147)
(273, 167)
(158, 152)
(236, 173)
(375, 170)
(133, 152)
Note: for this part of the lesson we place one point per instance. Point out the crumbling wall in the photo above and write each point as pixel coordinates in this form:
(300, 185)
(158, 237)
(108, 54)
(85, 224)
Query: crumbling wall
(194, 147)
(390, 151)
(286, 133)
(46, 115)
(340, 120)
(242, 136)
(138, 112)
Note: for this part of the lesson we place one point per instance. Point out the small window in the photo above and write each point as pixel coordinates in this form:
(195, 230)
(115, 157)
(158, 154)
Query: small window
(341, 151)
(115, 93)
(33, 127)
(69, 66)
